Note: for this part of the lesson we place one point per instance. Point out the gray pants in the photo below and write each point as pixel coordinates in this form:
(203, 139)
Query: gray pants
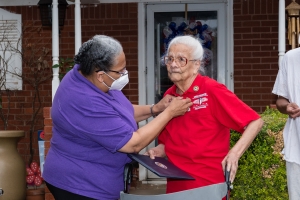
(293, 180)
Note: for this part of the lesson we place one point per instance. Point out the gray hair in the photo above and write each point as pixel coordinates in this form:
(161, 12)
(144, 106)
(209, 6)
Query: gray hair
(193, 43)
(98, 53)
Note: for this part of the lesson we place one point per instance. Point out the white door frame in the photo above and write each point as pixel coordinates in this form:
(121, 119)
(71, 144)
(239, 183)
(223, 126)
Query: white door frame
(226, 77)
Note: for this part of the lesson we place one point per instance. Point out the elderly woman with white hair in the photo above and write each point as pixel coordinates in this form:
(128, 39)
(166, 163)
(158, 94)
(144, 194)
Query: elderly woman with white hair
(95, 125)
(198, 142)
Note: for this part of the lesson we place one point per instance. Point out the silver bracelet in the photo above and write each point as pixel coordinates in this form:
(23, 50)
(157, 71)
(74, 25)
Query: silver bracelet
(151, 111)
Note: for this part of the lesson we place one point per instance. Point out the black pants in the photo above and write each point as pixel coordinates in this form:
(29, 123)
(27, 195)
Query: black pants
(60, 194)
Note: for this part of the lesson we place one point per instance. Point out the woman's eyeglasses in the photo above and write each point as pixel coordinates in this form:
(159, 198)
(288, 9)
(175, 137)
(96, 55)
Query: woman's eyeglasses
(181, 61)
(122, 72)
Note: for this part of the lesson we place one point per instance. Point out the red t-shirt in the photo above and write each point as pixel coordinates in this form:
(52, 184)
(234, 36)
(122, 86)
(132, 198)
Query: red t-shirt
(198, 141)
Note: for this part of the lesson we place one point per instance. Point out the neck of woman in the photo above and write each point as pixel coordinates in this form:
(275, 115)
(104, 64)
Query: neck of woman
(94, 81)
(183, 86)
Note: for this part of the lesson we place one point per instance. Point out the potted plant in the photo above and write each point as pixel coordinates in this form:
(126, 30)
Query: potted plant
(34, 181)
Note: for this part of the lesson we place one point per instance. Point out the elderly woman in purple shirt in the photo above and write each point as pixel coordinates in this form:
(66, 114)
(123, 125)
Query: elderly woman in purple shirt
(95, 125)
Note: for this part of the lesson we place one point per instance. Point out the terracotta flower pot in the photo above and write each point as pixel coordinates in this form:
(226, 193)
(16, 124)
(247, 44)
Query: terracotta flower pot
(35, 194)
(12, 173)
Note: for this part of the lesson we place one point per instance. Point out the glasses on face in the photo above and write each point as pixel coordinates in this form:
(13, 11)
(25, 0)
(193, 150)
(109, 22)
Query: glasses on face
(122, 72)
(181, 61)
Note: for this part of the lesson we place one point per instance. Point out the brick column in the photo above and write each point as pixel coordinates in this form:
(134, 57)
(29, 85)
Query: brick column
(48, 136)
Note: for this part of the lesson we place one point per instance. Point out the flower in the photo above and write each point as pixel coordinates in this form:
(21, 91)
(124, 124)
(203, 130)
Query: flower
(34, 175)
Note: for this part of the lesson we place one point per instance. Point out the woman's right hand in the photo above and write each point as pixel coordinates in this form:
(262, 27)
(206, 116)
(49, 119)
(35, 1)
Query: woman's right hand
(179, 106)
(144, 135)
(158, 151)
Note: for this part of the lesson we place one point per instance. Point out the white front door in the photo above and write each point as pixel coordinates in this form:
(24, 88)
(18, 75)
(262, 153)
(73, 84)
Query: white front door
(206, 21)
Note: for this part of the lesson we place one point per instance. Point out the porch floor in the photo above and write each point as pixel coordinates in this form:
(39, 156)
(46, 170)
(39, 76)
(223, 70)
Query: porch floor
(147, 189)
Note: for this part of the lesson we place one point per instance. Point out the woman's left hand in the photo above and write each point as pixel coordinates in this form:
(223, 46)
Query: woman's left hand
(230, 164)
(232, 158)
(163, 104)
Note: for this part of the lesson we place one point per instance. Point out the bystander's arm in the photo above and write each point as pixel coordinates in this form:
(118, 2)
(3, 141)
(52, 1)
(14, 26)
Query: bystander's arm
(281, 104)
(286, 107)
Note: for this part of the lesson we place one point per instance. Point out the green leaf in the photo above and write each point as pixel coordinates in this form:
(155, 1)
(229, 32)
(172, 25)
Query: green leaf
(55, 66)
(261, 173)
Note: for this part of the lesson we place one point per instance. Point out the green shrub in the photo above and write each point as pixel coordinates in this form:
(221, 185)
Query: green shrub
(261, 174)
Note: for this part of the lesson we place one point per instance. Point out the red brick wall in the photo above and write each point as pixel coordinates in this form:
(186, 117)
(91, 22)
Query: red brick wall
(116, 20)
(255, 51)
(21, 101)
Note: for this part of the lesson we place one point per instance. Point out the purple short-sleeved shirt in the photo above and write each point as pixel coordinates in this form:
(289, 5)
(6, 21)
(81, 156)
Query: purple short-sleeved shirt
(89, 126)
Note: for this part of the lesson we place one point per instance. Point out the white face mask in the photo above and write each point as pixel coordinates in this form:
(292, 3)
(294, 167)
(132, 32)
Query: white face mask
(119, 83)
